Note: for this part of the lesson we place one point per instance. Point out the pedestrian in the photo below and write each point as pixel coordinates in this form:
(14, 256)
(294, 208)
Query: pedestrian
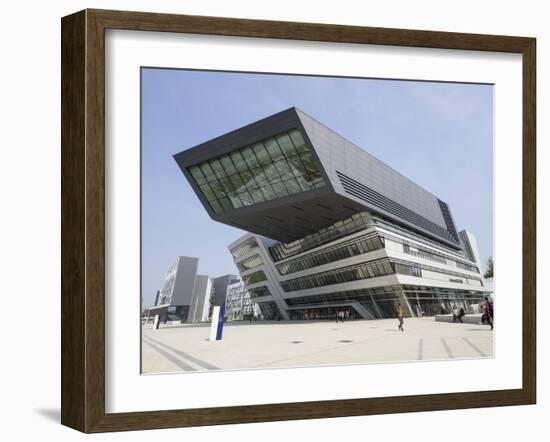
(461, 314)
(489, 311)
(455, 313)
(400, 313)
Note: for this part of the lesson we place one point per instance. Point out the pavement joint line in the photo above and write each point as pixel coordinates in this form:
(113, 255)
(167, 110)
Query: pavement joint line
(170, 357)
(184, 355)
(475, 347)
(420, 349)
(337, 347)
(447, 348)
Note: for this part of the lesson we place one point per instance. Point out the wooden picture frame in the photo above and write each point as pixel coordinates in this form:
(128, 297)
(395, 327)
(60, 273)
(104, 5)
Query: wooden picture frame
(83, 220)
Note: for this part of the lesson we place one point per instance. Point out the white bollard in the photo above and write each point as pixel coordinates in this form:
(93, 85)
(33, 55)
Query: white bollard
(156, 322)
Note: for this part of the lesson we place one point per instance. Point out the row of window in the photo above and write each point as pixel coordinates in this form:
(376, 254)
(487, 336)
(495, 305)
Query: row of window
(340, 229)
(244, 248)
(273, 168)
(429, 301)
(259, 292)
(269, 310)
(385, 224)
(353, 273)
(448, 272)
(346, 250)
(421, 253)
(345, 296)
(404, 269)
(469, 267)
(286, 145)
(360, 271)
(249, 263)
(255, 277)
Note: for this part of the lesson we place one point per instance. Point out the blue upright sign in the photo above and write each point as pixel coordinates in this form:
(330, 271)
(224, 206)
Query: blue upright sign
(216, 328)
(221, 317)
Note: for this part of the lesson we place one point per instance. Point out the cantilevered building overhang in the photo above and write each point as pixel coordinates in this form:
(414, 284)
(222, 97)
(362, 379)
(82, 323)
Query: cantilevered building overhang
(287, 176)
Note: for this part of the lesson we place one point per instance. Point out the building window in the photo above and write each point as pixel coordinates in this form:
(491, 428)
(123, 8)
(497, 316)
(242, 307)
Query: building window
(244, 248)
(270, 169)
(259, 292)
(371, 269)
(469, 267)
(408, 270)
(340, 229)
(421, 253)
(255, 277)
(249, 263)
(345, 250)
(269, 310)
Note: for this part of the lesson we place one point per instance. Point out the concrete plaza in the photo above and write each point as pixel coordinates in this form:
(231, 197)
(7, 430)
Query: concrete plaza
(185, 347)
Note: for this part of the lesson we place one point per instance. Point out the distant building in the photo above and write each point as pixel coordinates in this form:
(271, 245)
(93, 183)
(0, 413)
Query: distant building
(238, 305)
(185, 296)
(331, 227)
(201, 299)
(219, 288)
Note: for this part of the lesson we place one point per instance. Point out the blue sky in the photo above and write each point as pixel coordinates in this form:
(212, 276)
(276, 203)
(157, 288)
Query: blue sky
(440, 135)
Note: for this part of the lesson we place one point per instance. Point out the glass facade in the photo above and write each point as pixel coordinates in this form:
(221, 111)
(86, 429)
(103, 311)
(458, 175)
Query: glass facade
(269, 310)
(255, 277)
(404, 269)
(249, 263)
(366, 270)
(259, 292)
(380, 302)
(469, 267)
(421, 253)
(340, 229)
(429, 301)
(244, 247)
(273, 168)
(345, 250)
(319, 313)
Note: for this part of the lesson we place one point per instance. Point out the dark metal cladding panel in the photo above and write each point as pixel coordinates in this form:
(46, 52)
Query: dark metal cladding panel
(356, 174)
(294, 216)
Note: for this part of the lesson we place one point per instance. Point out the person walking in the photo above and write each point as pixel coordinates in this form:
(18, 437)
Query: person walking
(489, 311)
(455, 313)
(400, 313)
(461, 314)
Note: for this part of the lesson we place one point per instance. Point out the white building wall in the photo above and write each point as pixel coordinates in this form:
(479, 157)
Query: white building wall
(470, 239)
(439, 271)
(201, 299)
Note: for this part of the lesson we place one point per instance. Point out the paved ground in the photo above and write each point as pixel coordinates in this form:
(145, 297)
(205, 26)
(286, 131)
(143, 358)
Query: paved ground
(291, 344)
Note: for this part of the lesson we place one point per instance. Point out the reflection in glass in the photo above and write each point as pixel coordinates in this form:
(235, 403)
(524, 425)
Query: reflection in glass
(267, 170)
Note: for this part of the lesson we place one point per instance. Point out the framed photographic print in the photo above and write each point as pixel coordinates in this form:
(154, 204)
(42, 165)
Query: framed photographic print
(271, 220)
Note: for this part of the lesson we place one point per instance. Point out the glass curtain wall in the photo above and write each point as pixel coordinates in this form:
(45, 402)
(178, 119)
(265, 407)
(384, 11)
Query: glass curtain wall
(270, 169)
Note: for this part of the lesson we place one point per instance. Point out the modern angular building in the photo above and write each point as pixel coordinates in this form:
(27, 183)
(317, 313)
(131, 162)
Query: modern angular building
(238, 305)
(185, 296)
(330, 227)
